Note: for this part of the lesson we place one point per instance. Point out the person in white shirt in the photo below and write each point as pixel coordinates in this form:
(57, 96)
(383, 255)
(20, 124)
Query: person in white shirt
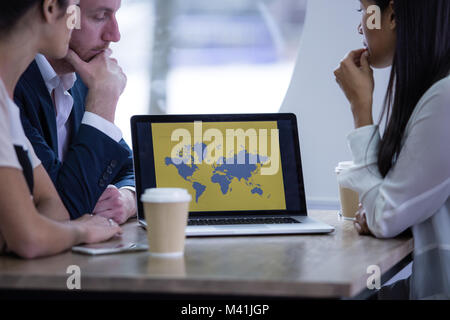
(403, 176)
(69, 118)
(33, 219)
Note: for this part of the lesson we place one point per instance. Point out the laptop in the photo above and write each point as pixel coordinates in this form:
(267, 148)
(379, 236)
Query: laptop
(243, 171)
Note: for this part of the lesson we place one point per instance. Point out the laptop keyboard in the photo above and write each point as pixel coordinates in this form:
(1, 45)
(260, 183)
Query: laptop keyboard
(231, 221)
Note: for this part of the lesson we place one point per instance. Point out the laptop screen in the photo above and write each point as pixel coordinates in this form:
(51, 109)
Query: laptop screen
(228, 163)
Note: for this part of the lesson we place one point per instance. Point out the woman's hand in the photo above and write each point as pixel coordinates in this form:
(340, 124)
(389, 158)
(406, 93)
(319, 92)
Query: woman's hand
(361, 223)
(95, 229)
(355, 77)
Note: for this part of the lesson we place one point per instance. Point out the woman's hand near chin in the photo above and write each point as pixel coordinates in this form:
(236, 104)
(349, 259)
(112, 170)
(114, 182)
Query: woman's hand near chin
(355, 77)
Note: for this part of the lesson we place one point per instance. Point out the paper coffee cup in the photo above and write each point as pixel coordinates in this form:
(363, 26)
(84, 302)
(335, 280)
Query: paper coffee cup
(166, 213)
(349, 199)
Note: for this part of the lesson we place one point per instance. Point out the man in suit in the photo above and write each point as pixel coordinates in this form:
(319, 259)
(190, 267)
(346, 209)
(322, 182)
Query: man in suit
(69, 118)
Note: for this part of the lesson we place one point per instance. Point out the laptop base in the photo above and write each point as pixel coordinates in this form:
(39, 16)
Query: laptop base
(307, 225)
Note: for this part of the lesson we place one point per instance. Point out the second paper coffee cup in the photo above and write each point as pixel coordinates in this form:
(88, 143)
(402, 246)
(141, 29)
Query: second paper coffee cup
(349, 199)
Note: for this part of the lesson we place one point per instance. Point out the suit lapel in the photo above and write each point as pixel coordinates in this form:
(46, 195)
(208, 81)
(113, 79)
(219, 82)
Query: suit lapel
(78, 107)
(48, 116)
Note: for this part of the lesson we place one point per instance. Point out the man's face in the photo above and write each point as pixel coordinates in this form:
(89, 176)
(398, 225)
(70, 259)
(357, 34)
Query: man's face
(98, 28)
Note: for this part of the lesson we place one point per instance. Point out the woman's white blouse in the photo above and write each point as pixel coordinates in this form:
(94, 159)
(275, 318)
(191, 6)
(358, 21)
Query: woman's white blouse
(416, 191)
(12, 134)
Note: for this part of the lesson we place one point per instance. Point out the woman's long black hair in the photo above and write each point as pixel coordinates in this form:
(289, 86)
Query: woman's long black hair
(422, 58)
(12, 10)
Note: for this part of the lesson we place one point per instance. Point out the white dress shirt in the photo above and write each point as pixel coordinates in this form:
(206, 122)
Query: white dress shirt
(416, 191)
(58, 87)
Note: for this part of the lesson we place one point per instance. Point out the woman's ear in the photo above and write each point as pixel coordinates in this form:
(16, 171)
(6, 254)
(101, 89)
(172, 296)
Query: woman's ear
(392, 21)
(50, 10)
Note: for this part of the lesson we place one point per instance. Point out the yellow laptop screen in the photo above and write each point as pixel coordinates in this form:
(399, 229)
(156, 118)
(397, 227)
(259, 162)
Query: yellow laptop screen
(225, 166)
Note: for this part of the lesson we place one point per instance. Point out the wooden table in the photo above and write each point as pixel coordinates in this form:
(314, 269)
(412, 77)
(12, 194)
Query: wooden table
(315, 266)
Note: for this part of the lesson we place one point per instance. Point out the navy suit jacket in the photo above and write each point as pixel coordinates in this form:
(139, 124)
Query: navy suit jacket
(93, 160)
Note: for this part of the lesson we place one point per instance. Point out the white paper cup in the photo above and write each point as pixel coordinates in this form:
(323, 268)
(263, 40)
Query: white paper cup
(166, 213)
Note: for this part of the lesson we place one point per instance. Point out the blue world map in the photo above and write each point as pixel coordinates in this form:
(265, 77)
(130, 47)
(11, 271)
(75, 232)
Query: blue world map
(225, 171)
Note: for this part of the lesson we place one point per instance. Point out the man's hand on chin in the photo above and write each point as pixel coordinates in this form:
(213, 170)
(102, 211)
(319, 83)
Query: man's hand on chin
(117, 204)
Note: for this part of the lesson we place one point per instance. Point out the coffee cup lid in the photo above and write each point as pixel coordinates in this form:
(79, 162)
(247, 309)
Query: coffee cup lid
(160, 195)
(343, 165)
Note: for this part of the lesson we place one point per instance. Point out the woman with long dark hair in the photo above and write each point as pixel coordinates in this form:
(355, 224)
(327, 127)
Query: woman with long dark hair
(33, 219)
(403, 176)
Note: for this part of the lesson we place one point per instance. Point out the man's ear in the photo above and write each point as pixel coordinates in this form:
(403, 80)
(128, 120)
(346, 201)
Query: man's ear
(50, 10)
(392, 19)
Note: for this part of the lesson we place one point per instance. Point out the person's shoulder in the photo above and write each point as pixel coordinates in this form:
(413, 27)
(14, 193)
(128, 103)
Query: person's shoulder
(4, 103)
(4, 115)
(434, 104)
(437, 98)
(441, 87)
(30, 81)
(31, 74)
